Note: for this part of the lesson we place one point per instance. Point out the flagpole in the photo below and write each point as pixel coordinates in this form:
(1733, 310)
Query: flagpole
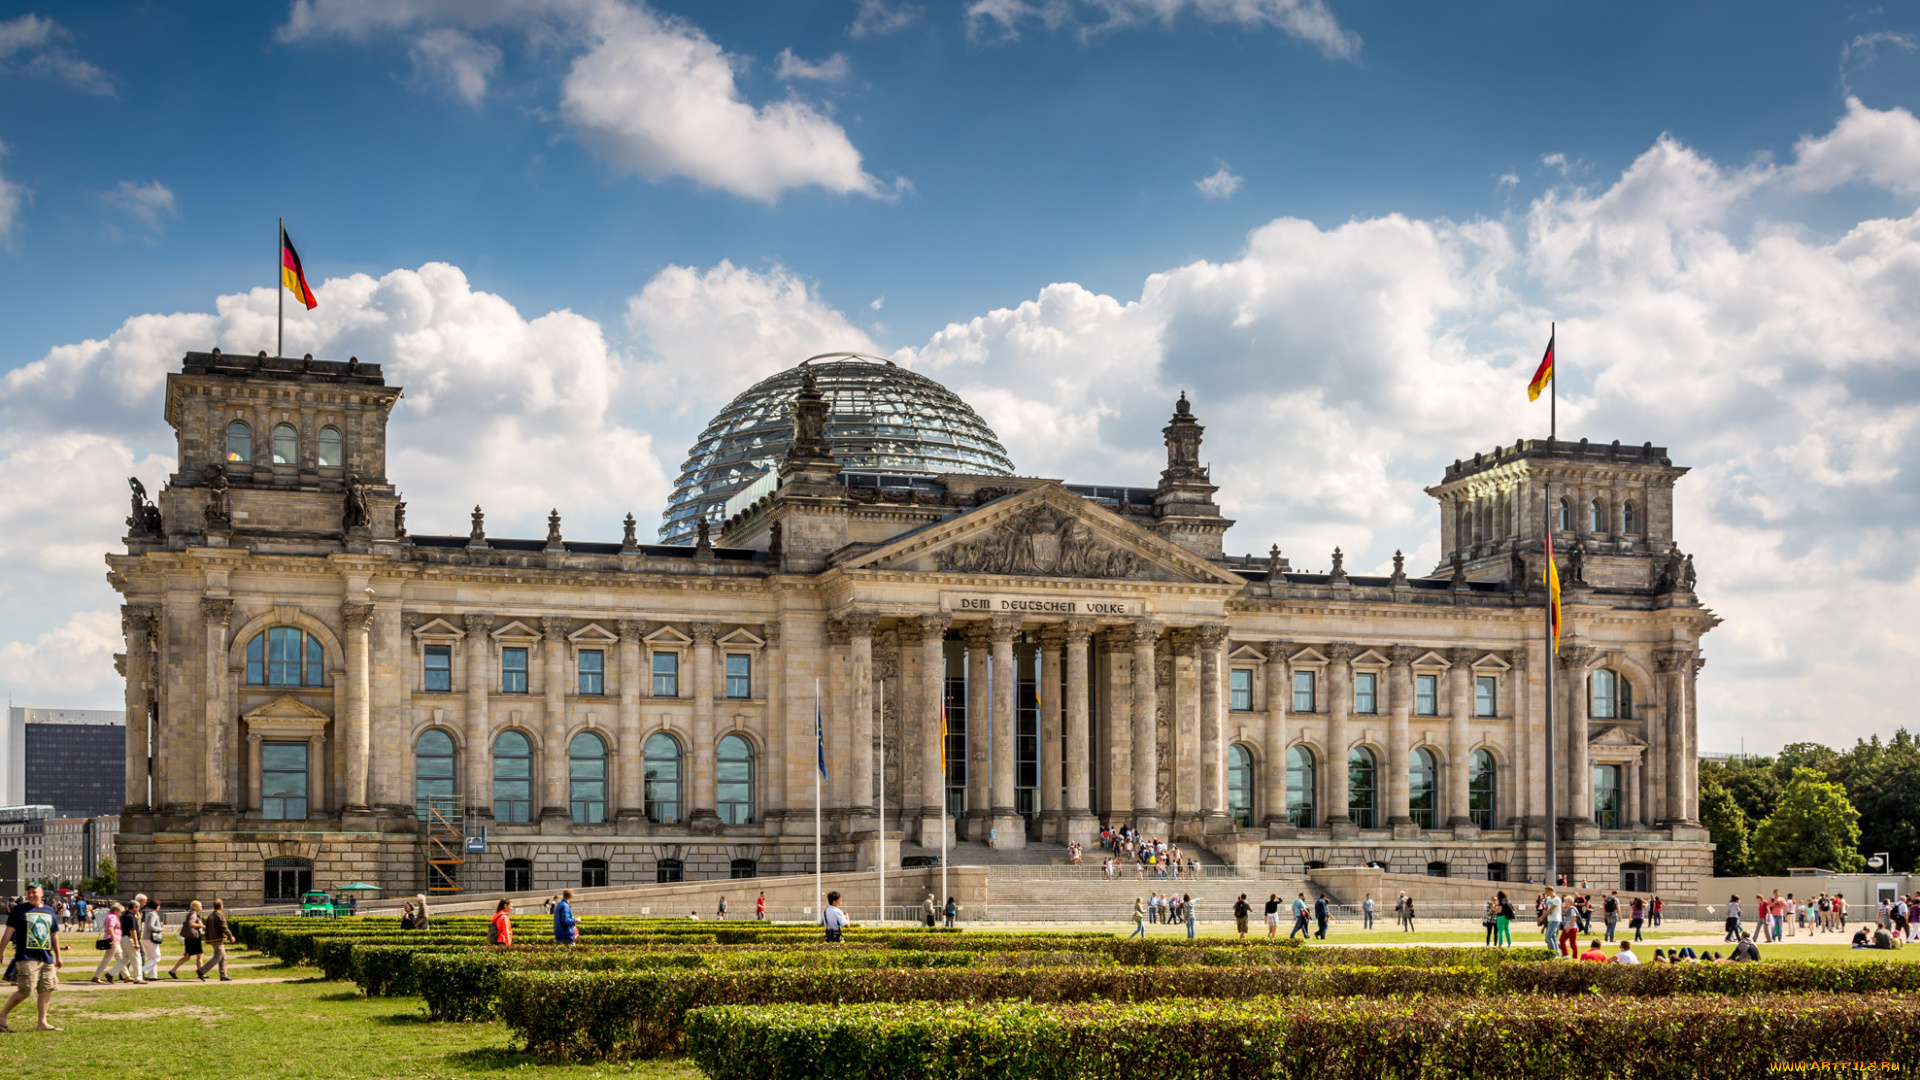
(1553, 811)
(819, 911)
(880, 711)
(1553, 384)
(944, 815)
(279, 287)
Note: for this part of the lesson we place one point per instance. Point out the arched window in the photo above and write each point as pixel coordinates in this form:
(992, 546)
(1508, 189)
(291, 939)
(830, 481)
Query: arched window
(432, 771)
(1239, 785)
(1597, 517)
(587, 778)
(1300, 787)
(733, 780)
(1564, 513)
(662, 780)
(239, 441)
(1606, 796)
(285, 656)
(519, 875)
(743, 868)
(1483, 788)
(288, 878)
(329, 456)
(1360, 777)
(286, 445)
(667, 871)
(1610, 696)
(1629, 520)
(512, 778)
(593, 873)
(1422, 784)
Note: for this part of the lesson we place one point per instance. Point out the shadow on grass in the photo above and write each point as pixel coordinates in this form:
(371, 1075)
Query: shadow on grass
(403, 1018)
(350, 995)
(493, 1057)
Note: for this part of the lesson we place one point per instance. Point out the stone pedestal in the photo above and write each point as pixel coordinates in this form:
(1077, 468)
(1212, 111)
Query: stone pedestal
(1006, 830)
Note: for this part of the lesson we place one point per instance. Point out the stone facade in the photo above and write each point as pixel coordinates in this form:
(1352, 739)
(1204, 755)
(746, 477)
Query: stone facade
(329, 691)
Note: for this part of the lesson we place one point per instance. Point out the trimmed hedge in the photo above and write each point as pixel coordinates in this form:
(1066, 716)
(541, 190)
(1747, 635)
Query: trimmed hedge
(1431, 1038)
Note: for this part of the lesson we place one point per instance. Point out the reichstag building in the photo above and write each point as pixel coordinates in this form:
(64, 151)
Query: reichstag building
(315, 694)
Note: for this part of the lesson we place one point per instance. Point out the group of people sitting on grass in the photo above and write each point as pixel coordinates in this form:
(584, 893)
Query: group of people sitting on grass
(1148, 855)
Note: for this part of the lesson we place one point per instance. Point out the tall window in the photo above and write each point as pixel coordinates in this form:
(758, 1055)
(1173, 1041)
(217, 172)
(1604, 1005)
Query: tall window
(330, 455)
(1239, 785)
(512, 778)
(593, 672)
(733, 780)
(1300, 787)
(519, 876)
(1564, 512)
(239, 442)
(285, 656)
(1484, 701)
(1422, 787)
(1611, 696)
(1606, 796)
(1026, 733)
(739, 675)
(1483, 788)
(432, 768)
(1241, 689)
(288, 878)
(593, 873)
(1597, 517)
(283, 781)
(587, 779)
(439, 668)
(1303, 692)
(1365, 698)
(1636, 877)
(662, 776)
(667, 871)
(513, 670)
(286, 445)
(1360, 787)
(956, 689)
(666, 674)
(1426, 695)
(1629, 519)
(743, 868)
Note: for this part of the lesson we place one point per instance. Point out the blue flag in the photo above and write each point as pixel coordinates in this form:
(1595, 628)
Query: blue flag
(820, 738)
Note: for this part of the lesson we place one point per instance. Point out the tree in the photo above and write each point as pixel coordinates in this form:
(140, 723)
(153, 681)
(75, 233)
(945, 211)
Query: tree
(1814, 824)
(1883, 782)
(1727, 824)
(1755, 784)
(105, 880)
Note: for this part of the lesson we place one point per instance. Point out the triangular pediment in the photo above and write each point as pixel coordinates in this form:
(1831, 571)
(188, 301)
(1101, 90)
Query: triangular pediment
(1045, 531)
(1492, 662)
(439, 628)
(1308, 655)
(1248, 652)
(1616, 736)
(1432, 660)
(284, 707)
(593, 634)
(1370, 658)
(742, 638)
(667, 637)
(516, 631)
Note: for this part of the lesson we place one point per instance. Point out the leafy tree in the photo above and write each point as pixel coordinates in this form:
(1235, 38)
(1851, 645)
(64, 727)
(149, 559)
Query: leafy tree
(1813, 824)
(1804, 755)
(1727, 824)
(104, 882)
(1883, 782)
(1755, 784)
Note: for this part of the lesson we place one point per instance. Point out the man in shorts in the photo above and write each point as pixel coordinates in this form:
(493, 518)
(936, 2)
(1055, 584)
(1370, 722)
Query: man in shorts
(34, 930)
(1241, 909)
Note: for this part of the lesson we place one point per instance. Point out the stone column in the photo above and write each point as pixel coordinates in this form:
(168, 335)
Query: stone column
(1213, 736)
(1081, 824)
(1675, 666)
(554, 806)
(1399, 752)
(1574, 663)
(358, 736)
(1005, 828)
(704, 818)
(253, 772)
(860, 627)
(933, 698)
(1339, 704)
(1146, 752)
(216, 612)
(1053, 777)
(1279, 701)
(140, 623)
(630, 795)
(1632, 815)
(1182, 695)
(1691, 762)
(1459, 738)
(479, 718)
(316, 792)
(774, 813)
(979, 640)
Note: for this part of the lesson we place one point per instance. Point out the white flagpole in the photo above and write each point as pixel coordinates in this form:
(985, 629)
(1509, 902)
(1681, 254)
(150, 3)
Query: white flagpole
(819, 911)
(880, 711)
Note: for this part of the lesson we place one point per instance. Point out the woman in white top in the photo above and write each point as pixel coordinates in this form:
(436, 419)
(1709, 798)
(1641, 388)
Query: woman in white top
(152, 931)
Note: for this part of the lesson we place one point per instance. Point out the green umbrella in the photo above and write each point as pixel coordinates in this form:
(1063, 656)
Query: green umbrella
(358, 886)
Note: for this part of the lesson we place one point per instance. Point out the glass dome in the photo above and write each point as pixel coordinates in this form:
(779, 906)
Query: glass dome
(881, 418)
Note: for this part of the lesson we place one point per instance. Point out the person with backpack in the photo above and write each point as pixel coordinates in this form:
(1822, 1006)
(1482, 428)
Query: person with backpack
(1241, 909)
(500, 929)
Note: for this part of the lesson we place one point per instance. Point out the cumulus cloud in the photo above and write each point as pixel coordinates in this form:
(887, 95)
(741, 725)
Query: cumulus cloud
(32, 45)
(1878, 147)
(650, 93)
(11, 196)
(790, 67)
(878, 18)
(1220, 183)
(1308, 20)
(147, 205)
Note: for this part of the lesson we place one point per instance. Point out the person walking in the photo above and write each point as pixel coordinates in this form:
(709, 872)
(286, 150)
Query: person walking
(927, 914)
(1502, 919)
(130, 958)
(566, 928)
(1653, 911)
(193, 932)
(1299, 917)
(722, 912)
(1611, 909)
(108, 944)
(1139, 919)
(1407, 914)
(1733, 918)
(1273, 915)
(1191, 910)
(153, 931)
(34, 929)
(1320, 917)
(1549, 918)
(1366, 912)
(1400, 908)
(217, 935)
(1241, 909)
(834, 920)
(1637, 917)
(760, 907)
(500, 927)
(420, 912)
(952, 912)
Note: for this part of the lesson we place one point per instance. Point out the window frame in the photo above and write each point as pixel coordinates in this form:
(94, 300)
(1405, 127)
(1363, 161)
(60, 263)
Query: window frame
(1563, 518)
(1422, 760)
(1240, 689)
(669, 871)
(525, 816)
(1597, 516)
(593, 873)
(1426, 694)
(1602, 702)
(1366, 693)
(590, 681)
(524, 671)
(273, 887)
(1303, 768)
(588, 794)
(1609, 815)
(1486, 695)
(421, 779)
(1363, 762)
(339, 444)
(739, 685)
(1306, 687)
(1483, 788)
(428, 669)
(238, 429)
(1242, 774)
(670, 678)
(514, 867)
(1629, 518)
(274, 440)
(651, 784)
(734, 799)
(283, 807)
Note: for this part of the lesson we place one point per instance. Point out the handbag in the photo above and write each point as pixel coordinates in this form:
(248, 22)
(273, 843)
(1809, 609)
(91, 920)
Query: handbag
(103, 944)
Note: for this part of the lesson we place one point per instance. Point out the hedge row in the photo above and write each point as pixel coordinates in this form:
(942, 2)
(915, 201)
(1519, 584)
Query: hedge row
(619, 1015)
(1431, 1039)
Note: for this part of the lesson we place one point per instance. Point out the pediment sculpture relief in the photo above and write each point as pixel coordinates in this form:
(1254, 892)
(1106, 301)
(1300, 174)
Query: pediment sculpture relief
(1042, 542)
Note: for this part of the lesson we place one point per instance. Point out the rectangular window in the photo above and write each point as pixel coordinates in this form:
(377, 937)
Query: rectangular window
(283, 781)
(666, 674)
(1484, 702)
(1242, 689)
(439, 676)
(739, 675)
(593, 672)
(1365, 700)
(1303, 692)
(1606, 796)
(513, 671)
(956, 720)
(1026, 732)
(1426, 695)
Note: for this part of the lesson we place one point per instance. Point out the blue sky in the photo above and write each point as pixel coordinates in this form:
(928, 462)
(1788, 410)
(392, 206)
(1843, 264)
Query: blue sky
(573, 228)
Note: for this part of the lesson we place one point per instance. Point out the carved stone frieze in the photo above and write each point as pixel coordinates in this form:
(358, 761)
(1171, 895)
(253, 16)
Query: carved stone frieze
(1042, 542)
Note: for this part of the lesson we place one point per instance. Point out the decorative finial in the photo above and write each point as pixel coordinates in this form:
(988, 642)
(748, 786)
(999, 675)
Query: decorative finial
(703, 541)
(628, 542)
(774, 548)
(553, 530)
(1339, 574)
(478, 537)
(1399, 567)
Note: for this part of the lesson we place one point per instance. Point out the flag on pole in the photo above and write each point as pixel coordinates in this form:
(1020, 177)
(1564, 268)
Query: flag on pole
(1552, 578)
(943, 741)
(820, 738)
(1543, 374)
(291, 275)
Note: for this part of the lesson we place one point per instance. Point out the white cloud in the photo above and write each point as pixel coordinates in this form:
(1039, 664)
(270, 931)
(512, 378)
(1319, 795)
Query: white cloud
(33, 45)
(1308, 20)
(650, 93)
(1880, 148)
(11, 196)
(878, 18)
(831, 70)
(147, 204)
(1219, 184)
(456, 62)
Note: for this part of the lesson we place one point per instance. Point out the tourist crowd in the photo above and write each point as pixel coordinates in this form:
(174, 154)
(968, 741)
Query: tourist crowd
(1148, 856)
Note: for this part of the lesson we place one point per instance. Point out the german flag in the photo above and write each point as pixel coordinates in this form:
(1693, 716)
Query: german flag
(1552, 578)
(291, 275)
(1543, 374)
